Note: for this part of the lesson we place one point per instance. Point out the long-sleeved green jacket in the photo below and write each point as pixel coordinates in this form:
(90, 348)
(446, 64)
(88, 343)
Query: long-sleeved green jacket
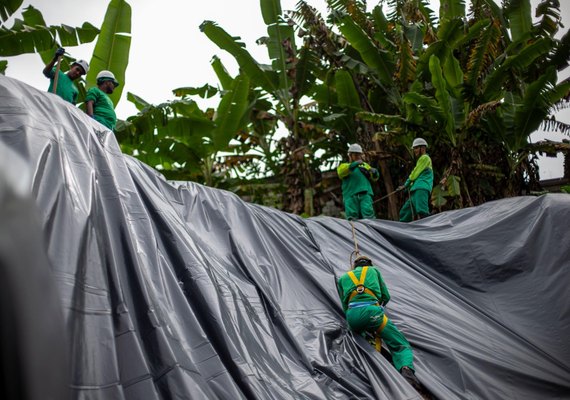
(422, 175)
(373, 281)
(354, 180)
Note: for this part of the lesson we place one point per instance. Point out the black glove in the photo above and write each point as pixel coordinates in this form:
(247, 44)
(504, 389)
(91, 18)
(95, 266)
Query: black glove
(59, 52)
(365, 171)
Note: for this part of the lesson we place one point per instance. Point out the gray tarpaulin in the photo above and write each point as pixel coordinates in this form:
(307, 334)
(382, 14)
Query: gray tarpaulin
(180, 291)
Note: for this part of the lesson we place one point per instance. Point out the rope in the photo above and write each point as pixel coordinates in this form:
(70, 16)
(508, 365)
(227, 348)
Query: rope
(355, 252)
(411, 205)
(385, 197)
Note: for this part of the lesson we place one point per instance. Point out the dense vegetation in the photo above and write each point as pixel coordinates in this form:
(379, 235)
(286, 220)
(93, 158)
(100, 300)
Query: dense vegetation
(475, 82)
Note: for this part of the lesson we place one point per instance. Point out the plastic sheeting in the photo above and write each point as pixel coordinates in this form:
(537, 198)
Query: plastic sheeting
(180, 291)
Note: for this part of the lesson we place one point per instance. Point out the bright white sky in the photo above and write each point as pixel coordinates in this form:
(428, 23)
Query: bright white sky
(169, 51)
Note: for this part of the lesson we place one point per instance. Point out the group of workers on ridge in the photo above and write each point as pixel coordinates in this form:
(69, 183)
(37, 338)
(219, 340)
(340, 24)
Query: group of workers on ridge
(98, 104)
(357, 194)
(363, 292)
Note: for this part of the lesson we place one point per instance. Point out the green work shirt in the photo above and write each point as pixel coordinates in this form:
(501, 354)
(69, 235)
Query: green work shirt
(373, 281)
(65, 87)
(103, 109)
(422, 175)
(353, 179)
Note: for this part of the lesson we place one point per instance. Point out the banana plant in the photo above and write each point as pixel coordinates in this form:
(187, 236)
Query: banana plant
(31, 34)
(284, 83)
(113, 46)
(479, 89)
(188, 143)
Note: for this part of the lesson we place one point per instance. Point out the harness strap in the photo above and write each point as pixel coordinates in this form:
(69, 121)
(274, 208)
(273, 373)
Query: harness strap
(362, 277)
(360, 284)
(377, 337)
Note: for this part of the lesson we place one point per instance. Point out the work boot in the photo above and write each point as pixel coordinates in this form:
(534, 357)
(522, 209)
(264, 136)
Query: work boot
(410, 376)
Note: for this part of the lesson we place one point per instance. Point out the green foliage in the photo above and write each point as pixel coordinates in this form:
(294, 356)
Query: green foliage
(260, 78)
(518, 12)
(113, 45)
(474, 85)
(31, 35)
(378, 59)
(346, 92)
(7, 8)
(451, 9)
(204, 92)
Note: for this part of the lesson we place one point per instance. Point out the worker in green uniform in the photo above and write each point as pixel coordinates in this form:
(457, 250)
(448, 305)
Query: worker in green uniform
(65, 87)
(418, 185)
(363, 294)
(97, 102)
(357, 191)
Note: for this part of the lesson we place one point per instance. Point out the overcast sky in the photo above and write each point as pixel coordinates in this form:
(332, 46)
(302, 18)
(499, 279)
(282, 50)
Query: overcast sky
(169, 51)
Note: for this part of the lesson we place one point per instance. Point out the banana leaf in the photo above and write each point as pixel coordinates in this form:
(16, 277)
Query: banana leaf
(535, 105)
(7, 8)
(304, 76)
(451, 9)
(438, 197)
(394, 121)
(518, 13)
(224, 77)
(204, 92)
(279, 35)
(67, 36)
(139, 103)
(259, 78)
(526, 57)
(113, 45)
(30, 35)
(378, 59)
(443, 97)
(346, 91)
(271, 11)
(230, 113)
(453, 74)
(432, 109)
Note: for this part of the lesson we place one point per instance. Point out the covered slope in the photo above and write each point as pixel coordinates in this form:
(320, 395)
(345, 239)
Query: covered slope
(186, 292)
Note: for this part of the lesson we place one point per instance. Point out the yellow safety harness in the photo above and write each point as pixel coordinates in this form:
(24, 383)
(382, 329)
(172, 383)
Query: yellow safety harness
(359, 289)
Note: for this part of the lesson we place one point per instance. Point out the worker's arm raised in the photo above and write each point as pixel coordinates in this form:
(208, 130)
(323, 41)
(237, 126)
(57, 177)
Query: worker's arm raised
(48, 70)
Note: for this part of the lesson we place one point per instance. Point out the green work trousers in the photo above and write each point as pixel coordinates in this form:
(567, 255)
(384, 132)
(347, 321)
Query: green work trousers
(359, 206)
(368, 319)
(416, 207)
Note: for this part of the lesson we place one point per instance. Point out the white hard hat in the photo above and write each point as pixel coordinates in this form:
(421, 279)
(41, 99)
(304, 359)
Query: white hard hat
(419, 142)
(355, 148)
(107, 75)
(83, 64)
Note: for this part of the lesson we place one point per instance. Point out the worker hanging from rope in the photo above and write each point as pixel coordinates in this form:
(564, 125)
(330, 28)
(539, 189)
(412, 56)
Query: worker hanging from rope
(418, 186)
(357, 193)
(363, 294)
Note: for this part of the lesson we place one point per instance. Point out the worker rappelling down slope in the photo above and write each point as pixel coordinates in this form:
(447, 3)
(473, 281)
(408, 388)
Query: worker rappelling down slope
(177, 290)
(364, 294)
